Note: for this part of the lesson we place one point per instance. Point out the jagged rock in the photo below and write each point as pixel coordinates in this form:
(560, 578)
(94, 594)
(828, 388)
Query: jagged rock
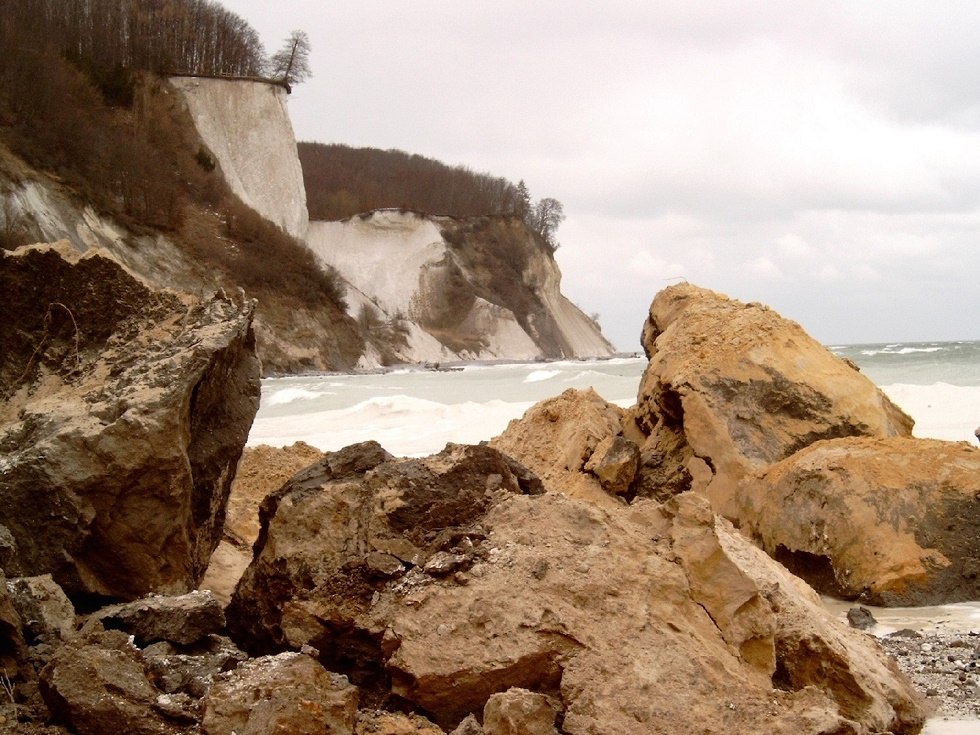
(322, 529)
(519, 712)
(180, 619)
(733, 387)
(286, 693)
(377, 722)
(124, 416)
(98, 686)
(13, 647)
(469, 726)
(44, 607)
(556, 437)
(193, 671)
(861, 618)
(641, 618)
(615, 462)
(887, 521)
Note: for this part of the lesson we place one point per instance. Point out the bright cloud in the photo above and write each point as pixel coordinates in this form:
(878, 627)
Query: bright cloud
(817, 156)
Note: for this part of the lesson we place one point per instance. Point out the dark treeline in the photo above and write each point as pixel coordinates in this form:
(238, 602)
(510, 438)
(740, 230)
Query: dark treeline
(342, 181)
(186, 36)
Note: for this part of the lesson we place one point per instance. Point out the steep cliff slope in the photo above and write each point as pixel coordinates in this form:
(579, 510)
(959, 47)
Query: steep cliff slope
(246, 126)
(471, 288)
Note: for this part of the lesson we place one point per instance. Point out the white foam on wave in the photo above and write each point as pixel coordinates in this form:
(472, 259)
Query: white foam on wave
(404, 425)
(288, 395)
(539, 375)
(940, 410)
(891, 350)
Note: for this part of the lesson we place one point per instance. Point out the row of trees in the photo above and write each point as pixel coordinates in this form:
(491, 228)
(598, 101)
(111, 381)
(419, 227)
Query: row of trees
(342, 181)
(192, 36)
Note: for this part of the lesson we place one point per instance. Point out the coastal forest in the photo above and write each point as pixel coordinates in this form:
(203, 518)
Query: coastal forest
(342, 181)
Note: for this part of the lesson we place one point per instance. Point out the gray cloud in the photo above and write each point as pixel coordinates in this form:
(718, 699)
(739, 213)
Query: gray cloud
(823, 157)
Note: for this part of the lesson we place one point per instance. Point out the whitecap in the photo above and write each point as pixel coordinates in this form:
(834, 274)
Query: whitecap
(538, 375)
(288, 395)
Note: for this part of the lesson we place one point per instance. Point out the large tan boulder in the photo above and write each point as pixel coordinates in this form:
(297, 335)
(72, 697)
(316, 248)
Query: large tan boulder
(356, 518)
(732, 388)
(557, 437)
(124, 413)
(887, 521)
(645, 618)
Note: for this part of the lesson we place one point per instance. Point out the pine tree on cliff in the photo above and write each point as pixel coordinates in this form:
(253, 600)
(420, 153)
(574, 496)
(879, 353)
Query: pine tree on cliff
(291, 64)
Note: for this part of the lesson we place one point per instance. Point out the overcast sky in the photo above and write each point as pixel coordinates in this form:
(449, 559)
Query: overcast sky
(821, 157)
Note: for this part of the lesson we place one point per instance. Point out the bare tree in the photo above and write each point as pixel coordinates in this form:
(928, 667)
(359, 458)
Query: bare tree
(547, 215)
(291, 64)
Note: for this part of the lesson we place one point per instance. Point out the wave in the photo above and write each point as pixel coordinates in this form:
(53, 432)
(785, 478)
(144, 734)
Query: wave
(890, 350)
(539, 375)
(404, 425)
(288, 395)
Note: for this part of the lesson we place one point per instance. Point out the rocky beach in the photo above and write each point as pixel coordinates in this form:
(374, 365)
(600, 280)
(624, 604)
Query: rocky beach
(655, 568)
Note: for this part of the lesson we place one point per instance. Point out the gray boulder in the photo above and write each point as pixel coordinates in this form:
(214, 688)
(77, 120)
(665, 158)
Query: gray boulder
(123, 415)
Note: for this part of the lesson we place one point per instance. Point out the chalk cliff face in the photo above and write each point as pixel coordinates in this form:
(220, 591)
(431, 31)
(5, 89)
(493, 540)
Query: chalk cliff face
(473, 288)
(421, 288)
(246, 126)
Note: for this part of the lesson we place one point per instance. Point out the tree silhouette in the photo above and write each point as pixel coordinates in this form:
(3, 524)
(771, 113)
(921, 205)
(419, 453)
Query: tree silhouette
(291, 64)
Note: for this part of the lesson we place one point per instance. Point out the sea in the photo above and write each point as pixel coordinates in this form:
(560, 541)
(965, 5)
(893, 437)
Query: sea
(415, 411)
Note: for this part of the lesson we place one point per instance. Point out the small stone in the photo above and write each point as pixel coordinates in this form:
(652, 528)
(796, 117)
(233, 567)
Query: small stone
(383, 565)
(861, 618)
(442, 563)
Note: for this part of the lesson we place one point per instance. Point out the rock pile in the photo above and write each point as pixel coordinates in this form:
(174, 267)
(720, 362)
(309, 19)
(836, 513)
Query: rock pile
(945, 665)
(792, 444)
(573, 577)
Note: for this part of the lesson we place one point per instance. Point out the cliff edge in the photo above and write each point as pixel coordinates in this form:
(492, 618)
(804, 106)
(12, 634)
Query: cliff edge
(457, 288)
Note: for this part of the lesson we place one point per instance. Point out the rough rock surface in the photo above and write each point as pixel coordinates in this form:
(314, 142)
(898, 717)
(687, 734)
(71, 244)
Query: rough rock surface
(892, 522)
(615, 462)
(261, 470)
(357, 517)
(288, 693)
(557, 437)
(99, 686)
(519, 712)
(182, 619)
(379, 722)
(45, 609)
(733, 387)
(653, 618)
(124, 416)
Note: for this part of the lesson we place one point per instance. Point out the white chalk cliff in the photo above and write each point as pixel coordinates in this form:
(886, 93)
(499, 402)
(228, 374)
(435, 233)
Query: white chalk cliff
(246, 126)
(436, 288)
(441, 302)
(470, 288)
